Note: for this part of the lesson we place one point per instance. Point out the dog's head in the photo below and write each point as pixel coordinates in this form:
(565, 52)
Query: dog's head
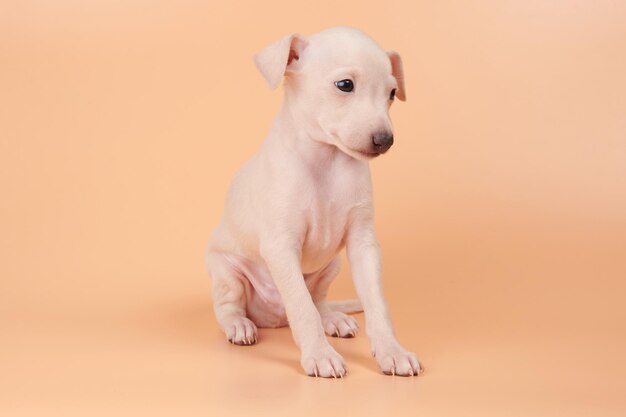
(340, 84)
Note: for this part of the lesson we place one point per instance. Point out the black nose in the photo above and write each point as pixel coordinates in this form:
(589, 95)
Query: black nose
(382, 141)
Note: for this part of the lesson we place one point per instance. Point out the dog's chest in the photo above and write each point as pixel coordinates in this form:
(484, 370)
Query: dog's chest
(327, 223)
(327, 215)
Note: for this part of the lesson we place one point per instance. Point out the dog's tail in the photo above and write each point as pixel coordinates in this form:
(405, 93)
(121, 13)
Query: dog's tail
(346, 306)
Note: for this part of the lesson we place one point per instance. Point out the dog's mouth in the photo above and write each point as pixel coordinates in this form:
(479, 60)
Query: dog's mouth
(362, 155)
(355, 153)
(369, 155)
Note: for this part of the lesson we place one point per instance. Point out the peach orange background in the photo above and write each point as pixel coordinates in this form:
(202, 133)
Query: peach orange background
(501, 210)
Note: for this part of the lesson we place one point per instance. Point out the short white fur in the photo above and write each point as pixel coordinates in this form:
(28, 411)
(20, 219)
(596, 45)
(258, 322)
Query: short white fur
(305, 196)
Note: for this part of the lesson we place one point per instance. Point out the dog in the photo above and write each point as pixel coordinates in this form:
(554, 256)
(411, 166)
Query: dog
(305, 196)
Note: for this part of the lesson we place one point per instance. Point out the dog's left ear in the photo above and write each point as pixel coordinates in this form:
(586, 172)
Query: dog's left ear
(398, 73)
(275, 60)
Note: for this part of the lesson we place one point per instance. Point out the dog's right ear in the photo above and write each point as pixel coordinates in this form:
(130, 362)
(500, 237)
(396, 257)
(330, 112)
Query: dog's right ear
(275, 60)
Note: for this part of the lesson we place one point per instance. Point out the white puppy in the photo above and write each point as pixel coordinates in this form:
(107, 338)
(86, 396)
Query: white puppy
(304, 196)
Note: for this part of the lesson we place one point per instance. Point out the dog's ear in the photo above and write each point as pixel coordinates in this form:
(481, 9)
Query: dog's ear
(398, 73)
(275, 60)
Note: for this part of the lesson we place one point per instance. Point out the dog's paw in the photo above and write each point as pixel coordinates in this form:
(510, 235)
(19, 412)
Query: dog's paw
(241, 331)
(324, 362)
(394, 360)
(338, 324)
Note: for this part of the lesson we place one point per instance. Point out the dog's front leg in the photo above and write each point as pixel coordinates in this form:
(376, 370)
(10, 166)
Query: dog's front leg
(364, 255)
(318, 358)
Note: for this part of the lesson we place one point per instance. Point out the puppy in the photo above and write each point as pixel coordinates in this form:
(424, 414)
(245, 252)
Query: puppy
(305, 195)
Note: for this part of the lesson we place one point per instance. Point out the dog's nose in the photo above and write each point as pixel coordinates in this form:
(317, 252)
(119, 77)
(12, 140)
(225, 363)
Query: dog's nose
(382, 141)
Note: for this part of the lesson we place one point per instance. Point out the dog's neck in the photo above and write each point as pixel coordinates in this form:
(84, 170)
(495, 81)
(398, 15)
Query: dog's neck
(296, 133)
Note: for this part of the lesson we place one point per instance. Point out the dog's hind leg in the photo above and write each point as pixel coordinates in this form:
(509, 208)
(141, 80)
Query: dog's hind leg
(336, 323)
(229, 300)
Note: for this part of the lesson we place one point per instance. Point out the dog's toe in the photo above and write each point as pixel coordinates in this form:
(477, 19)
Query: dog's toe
(338, 324)
(396, 361)
(241, 331)
(325, 363)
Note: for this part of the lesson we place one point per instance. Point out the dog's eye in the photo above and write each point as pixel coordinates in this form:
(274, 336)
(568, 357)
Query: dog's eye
(392, 95)
(345, 85)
